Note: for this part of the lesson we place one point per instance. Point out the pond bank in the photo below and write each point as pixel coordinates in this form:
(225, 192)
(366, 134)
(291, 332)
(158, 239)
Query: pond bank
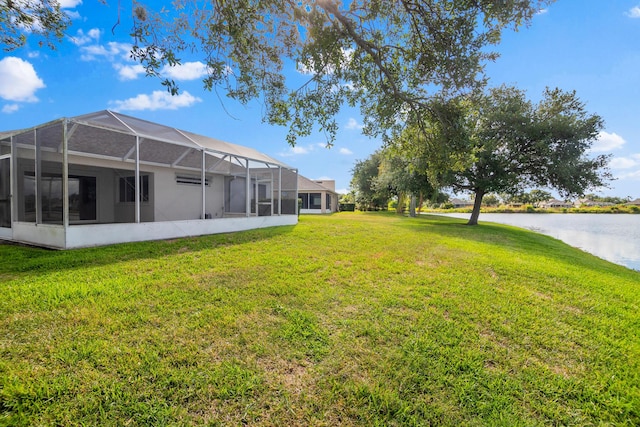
(613, 237)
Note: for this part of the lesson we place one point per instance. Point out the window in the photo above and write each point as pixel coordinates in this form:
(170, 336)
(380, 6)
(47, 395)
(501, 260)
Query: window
(328, 202)
(315, 201)
(305, 200)
(235, 192)
(82, 197)
(128, 189)
(191, 179)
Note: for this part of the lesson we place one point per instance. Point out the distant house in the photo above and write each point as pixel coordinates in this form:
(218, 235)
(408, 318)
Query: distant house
(459, 203)
(318, 196)
(635, 202)
(555, 203)
(105, 178)
(591, 203)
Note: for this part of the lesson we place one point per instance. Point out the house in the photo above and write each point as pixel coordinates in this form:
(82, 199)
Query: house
(318, 196)
(555, 203)
(459, 203)
(635, 202)
(105, 178)
(590, 203)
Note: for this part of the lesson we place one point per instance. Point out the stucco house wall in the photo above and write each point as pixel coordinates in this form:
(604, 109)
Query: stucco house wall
(72, 183)
(317, 196)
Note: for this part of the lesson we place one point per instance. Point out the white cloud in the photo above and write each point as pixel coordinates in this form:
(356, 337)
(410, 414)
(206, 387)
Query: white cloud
(297, 150)
(542, 11)
(634, 12)
(353, 124)
(10, 108)
(129, 72)
(18, 80)
(111, 51)
(81, 38)
(607, 142)
(625, 162)
(34, 54)
(631, 175)
(345, 151)
(186, 71)
(73, 14)
(158, 100)
(69, 4)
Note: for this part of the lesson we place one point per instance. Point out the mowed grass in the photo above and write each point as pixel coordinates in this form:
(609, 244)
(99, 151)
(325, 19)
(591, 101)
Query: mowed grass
(350, 319)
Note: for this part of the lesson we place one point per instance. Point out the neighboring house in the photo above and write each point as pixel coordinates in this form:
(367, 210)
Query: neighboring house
(106, 178)
(555, 203)
(318, 196)
(591, 203)
(635, 202)
(459, 203)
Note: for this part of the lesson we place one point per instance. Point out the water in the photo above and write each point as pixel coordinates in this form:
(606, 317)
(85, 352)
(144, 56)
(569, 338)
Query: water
(614, 237)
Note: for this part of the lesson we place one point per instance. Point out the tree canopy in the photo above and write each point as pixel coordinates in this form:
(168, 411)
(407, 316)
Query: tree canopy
(41, 18)
(387, 57)
(386, 174)
(368, 194)
(503, 143)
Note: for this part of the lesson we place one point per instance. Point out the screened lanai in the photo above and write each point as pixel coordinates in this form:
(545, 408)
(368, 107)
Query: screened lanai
(105, 178)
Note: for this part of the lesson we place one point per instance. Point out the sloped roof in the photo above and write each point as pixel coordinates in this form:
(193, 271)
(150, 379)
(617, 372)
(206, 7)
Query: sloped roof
(107, 120)
(305, 185)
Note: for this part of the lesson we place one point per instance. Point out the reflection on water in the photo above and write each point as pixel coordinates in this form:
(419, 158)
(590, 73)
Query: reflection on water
(614, 237)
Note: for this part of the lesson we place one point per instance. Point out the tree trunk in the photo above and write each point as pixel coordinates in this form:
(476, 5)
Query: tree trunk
(412, 206)
(476, 208)
(400, 205)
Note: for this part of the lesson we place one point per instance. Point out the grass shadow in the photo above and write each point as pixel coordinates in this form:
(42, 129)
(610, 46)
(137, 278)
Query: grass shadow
(15, 258)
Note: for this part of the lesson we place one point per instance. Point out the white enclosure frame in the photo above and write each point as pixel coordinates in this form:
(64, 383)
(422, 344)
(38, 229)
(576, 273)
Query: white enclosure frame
(99, 150)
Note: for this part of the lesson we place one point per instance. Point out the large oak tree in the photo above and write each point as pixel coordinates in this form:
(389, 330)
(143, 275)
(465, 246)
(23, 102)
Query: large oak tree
(503, 143)
(388, 57)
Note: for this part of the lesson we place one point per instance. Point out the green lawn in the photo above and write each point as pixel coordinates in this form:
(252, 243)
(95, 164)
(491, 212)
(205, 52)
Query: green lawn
(349, 319)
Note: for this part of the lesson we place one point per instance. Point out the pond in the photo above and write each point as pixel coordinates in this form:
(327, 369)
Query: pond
(614, 237)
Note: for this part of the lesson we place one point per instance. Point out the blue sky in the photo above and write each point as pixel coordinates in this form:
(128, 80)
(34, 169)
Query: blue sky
(590, 46)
